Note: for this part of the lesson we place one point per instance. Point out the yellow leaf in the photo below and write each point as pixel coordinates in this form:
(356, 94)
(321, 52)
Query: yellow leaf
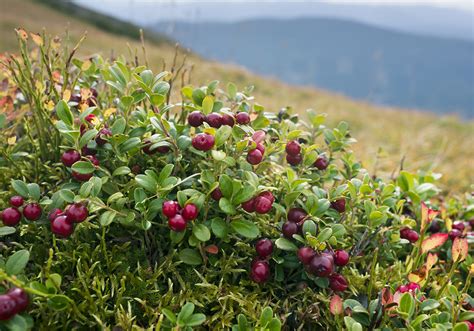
(109, 111)
(433, 241)
(11, 140)
(67, 95)
(460, 249)
(49, 105)
(431, 261)
(22, 33)
(86, 65)
(37, 39)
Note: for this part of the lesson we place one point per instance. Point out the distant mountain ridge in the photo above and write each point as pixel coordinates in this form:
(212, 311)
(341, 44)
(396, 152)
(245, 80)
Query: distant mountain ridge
(359, 60)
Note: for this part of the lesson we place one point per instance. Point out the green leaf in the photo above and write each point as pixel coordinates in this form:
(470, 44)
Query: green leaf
(245, 194)
(222, 135)
(147, 182)
(207, 104)
(58, 302)
(201, 232)
(219, 227)
(285, 244)
(16, 323)
(34, 191)
(245, 228)
(461, 327)
(83, 167)
(119, 126)
(107, 218)
(190, 256)
(274, 325)
(225, 184)
(21, 188)
(169, 315)
(17, 262)
(185, 313)
(232, 90)
(309, 227)
(429, 304)
(195, 320)
(121, 171)
(165, 173)
(64, 113)
(407, 304)
(6, 230)
(266, 316)
(325, 234)
(226, 206)
(198, 96)
(67, 195)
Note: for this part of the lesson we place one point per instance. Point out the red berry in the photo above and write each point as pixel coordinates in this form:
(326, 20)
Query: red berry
(293, 148)
(341, 257)
(95, 161)
(20, 297)
(242, 118)
(170, 208)
(458, 225)
(261, 148)
(412, 287)
(435, 227)
(337, 282)
(11, 216)
(70, 157)
(102, 136)
(214, 120)
(289, 229)
(268, 195)
(216, 194)
(228, 120)
(306, 254)
(32, 211)
(402, 289)
(62, 227)
(54, 213)
(454, 233)
(262, 205)
(321, 162)
(203, 142)
(147, 147)
(163, 149)
(254, 157)
(294, 160)
(339, 205)
(81, 177)
(410, 235)
(88, 151)
(249, 206)
(77, 213)
(196, 118)
(321, 265)
(89, 118)
(264, 247)
(470, 325)
(7, 307)
(296, 215)
(16, 201)
(177, 223)
(260, 271)
(136, 169)
(190, 212)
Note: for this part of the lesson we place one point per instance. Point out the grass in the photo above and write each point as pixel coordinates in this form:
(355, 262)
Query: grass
(386, 136)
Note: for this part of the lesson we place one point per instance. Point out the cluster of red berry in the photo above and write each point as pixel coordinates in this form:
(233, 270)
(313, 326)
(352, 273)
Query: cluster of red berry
(260, 268)
(13, 302)
(179, 217)
(260, 204)
(62, 222)
(215, 120)
(11, 216)
(72, 156)
(255, 155)
(294, 156)
(409, 234)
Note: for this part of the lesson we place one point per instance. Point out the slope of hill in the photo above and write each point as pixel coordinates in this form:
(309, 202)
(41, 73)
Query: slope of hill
(358, 60)
(442, 144)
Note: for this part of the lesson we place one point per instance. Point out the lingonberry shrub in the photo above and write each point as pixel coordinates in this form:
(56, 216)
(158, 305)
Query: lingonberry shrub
(147, 194)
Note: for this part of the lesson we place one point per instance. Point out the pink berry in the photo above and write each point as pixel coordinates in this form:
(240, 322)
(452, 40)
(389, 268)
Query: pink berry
(102, 136)
(459, 225)
(177, 223)
(454, 233)
(268, 195)
(289, 229)
(296, 215)
(216, 194)
(321, 265)
(81, 177)
(7, 307)
(170, 208)
(190, 212)
(214, 120)
(339, 205)
(54, 213)
(262, 205)
(20, 297)
(228, 120)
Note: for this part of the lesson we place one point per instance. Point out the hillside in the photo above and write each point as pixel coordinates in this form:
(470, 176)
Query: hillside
(425, 141)
(359, 60)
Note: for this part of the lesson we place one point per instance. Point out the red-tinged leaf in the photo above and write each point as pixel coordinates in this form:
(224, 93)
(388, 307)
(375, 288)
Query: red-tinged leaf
(460, 249)
(427, 215)
(387, 296)
(418, 276)
(435, 240)
(335, 305)
(212, 249)
(431, 261)
(258, 136)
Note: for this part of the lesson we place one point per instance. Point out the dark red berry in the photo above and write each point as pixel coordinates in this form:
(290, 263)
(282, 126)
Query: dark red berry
(254, 157)
(338, 283)
(70, 157)
(214, 120)
(216, 194)
(321, 162)
(296, 215)
(62, 227)
(75, 98)
(321, 265)
(264, 247)
(103, 136)
(242, 118)
(88, 151)
(454, 233)
(177, 223)
(294, 160)
(459, 225)
(32, 211)
(293, 148)
(94, 160)
(147, 147)
(306, 254)
(163, 149)
(341, 257)
(228, 120)
(289, 229)
(16, 201)
(7, 307)
(136, 169)
(20, 297)
(402, 289)
(77, 213)
(89, 118)
(268, 195)
(339, 205)
(11, 216)
(196, 118)
(203, 142)
(435, 227)
(81, 177)
(190, 212)
(262, 205)
(249, 206)
(409, 234)
(261, 148)
(170, 208)
(260, 271)
(54, 213)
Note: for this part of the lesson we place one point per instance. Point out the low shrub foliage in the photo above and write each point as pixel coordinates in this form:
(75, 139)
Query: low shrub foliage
(133, 200)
